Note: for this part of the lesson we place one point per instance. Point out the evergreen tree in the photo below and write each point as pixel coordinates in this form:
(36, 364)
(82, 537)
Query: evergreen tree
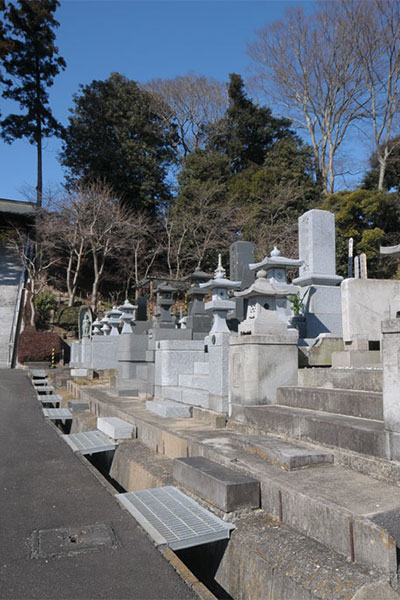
(30, 63)
(114, 135)
(247, 131)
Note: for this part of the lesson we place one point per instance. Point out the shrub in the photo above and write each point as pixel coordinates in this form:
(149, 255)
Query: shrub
(36, 346)
(68, 318)
(44, 303)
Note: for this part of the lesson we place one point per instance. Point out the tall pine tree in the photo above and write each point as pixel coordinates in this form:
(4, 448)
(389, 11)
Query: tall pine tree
(30, 64)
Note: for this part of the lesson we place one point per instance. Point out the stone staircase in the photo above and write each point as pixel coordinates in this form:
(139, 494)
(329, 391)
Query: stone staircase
(10, 273)
(329, 409)
(193, 387)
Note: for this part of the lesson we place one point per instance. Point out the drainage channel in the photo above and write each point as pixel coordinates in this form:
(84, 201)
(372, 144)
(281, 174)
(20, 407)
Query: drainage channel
(201, 560)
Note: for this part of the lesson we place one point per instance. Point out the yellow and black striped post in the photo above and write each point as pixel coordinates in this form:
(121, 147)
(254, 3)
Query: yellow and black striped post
(53, 358)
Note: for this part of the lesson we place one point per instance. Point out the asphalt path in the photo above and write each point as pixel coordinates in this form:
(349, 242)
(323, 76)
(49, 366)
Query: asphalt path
(44, 486)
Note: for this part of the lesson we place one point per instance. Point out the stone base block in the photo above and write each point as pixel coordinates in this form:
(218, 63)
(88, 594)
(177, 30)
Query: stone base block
(356, 358)
(116, 428)
(77, 405)
(169, 409)
(79, 372)
(227, 489)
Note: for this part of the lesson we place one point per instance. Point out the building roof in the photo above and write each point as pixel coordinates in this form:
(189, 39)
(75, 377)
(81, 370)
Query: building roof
(15, 207)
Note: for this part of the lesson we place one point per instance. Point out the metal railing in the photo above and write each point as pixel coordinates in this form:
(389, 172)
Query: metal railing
(18, 309)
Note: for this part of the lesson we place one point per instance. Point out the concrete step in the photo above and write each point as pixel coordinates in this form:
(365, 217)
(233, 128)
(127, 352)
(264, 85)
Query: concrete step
(198, 382)
(168, 409)
(347, 511)
(364, 436)
(287, 455)
(368, 379)
(201, 368)
(186, 395)
(367, 405)
(225, 488)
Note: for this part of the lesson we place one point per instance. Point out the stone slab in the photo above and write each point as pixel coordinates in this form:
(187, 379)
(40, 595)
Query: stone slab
(359, 435)
(356, 358)
(367, 302)
(169, 409)
(77, 405)
(38, 383)
(79, 372)
(225, 488)
(368, 379)
(116, 428)
(285, 454)
(354, 403)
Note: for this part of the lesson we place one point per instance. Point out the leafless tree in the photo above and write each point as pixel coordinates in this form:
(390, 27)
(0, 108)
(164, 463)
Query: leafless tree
(376, 28)
(191, 102)
(196, 229)
(103, 222)
(143, 243)
(38, 257)
(310, 67)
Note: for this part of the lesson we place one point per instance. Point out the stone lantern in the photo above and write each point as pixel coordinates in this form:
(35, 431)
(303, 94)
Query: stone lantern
(97, 327)
(220, 305)
(270, 289)
(198, 320)
(114, 318)
(127, 310)
(165, 300)
(106, 327)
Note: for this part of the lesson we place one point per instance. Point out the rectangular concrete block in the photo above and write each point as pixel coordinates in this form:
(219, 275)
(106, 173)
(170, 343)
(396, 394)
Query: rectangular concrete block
(79, 372)
(169, 409)
(227, 489)
(77, 405)
(116, 428)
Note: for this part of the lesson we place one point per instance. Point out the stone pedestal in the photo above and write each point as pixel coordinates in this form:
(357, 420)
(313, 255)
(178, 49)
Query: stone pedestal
(104, 352)
(86, 353)
(391, 385)
(217, 345)
(258, 365)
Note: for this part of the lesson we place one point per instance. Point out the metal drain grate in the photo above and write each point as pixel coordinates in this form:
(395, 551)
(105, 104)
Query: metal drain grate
(89, 442)
(170, 517)
(57, 413)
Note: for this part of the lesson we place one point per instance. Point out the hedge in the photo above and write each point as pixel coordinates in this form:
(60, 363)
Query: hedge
(37, 346)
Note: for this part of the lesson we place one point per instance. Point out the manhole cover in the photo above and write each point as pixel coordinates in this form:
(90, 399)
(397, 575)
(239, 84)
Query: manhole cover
(72, 540)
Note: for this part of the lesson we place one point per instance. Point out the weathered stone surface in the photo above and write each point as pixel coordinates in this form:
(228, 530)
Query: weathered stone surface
(136, 467)
(169, 409)
(354, 403)
(266, 559)
(358, 435)
(227, 489)
(287, 455)
(369, 379)
(367, 302)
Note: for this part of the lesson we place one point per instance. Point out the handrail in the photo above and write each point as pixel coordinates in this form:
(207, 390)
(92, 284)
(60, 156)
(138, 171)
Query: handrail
(19, 304)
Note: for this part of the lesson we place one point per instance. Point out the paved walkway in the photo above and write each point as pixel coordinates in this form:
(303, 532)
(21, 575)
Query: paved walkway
(43, 486)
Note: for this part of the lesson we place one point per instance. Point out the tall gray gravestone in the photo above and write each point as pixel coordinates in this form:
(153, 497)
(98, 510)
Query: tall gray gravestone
(321, 292)
(241, 255)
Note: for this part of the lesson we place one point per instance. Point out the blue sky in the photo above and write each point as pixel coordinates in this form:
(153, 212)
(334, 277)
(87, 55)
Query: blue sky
(142, 40)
